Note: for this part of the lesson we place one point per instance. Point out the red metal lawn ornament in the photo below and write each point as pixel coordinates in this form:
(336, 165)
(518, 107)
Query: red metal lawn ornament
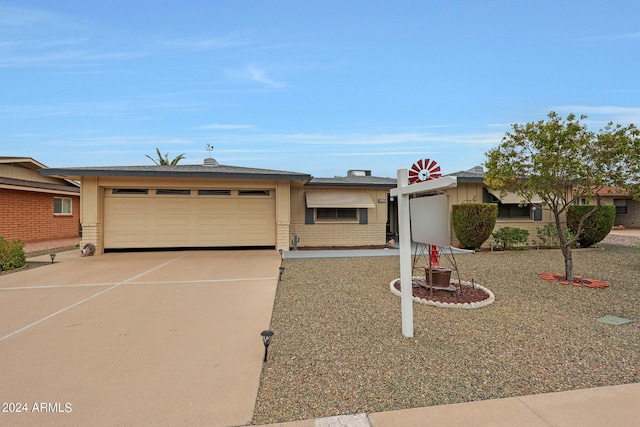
(424, 170)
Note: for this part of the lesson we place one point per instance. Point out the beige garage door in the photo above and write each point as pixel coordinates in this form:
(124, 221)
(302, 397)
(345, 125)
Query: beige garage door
(166, 218)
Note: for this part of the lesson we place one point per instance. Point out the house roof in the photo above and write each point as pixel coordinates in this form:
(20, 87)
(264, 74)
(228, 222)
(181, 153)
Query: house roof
(25, 162)
(475, 174)
(353, 181)
(177, 171)
(33, 165)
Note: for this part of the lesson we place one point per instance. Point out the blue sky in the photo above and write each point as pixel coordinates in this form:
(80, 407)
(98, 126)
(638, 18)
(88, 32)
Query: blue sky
(316, 87)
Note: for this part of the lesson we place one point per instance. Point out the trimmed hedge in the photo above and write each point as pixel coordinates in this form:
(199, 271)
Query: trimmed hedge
(596, 227)
(474, 222)
(11, 254)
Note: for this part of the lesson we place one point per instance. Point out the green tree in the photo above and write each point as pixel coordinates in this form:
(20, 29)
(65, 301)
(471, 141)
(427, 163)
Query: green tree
(560, 161)
(164, 161)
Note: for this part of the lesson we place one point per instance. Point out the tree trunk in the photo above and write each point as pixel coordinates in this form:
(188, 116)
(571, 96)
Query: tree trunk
(566, 248)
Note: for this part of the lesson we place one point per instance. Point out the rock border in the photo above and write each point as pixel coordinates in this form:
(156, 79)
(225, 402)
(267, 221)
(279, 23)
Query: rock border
(465, 305)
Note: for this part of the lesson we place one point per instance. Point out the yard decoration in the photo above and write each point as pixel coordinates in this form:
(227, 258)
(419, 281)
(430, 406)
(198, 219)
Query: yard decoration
(560, 161)
(424, 170)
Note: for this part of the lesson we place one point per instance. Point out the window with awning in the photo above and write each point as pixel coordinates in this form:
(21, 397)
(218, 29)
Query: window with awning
(338, 199)
(336, 206)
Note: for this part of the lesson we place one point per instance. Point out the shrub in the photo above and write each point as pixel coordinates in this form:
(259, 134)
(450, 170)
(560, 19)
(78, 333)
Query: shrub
(508, 237)
(548, 235)
(11, 254)
(596, 227)
(474, 222)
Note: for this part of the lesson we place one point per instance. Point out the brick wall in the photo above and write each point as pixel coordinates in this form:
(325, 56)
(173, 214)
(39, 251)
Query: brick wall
(339, 234)
(28, 216)
(632, 218)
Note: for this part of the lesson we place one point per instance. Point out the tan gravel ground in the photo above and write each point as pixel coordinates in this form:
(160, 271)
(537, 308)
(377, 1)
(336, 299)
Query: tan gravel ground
(338, 346)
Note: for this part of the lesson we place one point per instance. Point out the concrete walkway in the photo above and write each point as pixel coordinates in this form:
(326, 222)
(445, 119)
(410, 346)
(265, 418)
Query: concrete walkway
(594, 407)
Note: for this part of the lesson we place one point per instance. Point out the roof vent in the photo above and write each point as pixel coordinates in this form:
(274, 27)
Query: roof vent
(210, 162)
(476, 169)
(358, 172)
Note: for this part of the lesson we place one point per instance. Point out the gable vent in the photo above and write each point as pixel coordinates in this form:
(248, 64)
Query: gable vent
(210, 162)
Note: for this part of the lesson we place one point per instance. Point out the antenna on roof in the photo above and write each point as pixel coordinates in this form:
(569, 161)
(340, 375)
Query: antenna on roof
(209, 149)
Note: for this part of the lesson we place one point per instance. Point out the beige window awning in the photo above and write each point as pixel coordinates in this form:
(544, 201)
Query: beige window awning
(338, 199)
(513, 198)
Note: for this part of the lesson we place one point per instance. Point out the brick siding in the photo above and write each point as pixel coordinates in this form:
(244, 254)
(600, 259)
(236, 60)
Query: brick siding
(28, 216)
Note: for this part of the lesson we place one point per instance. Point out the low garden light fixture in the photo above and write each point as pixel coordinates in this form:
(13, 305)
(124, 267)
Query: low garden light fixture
(281, 272)
(52, 256)
(266, 340)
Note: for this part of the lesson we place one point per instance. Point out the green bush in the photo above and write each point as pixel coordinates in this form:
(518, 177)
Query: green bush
(596, 227)
(509, 237)
(474, 222)
(548, 236)
(11, 254)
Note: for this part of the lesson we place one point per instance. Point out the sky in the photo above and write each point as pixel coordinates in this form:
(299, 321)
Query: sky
(317, 87)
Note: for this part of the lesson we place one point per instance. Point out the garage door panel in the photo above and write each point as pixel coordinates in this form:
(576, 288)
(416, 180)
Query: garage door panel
(188, 221)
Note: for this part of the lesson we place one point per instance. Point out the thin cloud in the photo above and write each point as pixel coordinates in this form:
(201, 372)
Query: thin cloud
(602, 113)
(611, 37)
(259, 75)
(220, 126)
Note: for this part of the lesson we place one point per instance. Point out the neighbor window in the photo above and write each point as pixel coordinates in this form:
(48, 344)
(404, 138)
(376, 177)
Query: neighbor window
(621, 206)
(62, 206)
(336, 214)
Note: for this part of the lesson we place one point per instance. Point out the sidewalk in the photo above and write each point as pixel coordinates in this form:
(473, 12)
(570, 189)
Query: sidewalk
(593, 407)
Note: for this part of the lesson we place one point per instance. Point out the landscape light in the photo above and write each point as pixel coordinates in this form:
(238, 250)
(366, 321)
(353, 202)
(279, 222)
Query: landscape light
(266, 340)
(52, 256)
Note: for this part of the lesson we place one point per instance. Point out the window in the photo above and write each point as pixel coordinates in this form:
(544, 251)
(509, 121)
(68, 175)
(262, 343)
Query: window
(621, 206)
(513, 211)
(129, 191)
(214, 192)
(253, 192)
(62, 206)
(173, 192)
(334, 214)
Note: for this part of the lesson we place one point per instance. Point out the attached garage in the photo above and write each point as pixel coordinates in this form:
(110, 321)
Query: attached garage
(161, 218)
(184, 206)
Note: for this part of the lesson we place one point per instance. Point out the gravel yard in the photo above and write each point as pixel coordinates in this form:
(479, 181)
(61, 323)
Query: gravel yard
(338, 346)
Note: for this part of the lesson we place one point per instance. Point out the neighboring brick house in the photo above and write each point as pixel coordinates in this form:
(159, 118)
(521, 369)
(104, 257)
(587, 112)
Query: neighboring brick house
(34, 207)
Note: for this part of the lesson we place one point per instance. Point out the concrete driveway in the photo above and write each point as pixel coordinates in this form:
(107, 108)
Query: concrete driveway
(154, 338)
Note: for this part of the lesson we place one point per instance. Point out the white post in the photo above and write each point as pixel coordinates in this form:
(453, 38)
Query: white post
(404, 222)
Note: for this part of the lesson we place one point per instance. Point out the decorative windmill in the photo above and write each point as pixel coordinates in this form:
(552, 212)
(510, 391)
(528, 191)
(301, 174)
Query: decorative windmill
(424, 170)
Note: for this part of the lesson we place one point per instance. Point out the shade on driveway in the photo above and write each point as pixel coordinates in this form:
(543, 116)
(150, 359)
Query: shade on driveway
(155, 338)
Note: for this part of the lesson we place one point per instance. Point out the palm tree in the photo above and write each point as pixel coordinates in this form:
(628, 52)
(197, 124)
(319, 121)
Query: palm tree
(164, 161)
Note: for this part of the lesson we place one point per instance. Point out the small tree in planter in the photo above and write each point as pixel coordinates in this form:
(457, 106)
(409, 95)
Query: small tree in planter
(595, 227)
(474, 222)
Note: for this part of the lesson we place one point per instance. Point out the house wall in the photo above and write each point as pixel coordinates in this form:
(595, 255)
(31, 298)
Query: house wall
(336, 234)
(632, 218)
(28, 216)
(472, 193)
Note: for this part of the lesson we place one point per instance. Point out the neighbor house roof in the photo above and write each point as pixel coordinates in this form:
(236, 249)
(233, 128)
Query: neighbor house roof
(63, 185)
(177, 171)
(475, 174)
